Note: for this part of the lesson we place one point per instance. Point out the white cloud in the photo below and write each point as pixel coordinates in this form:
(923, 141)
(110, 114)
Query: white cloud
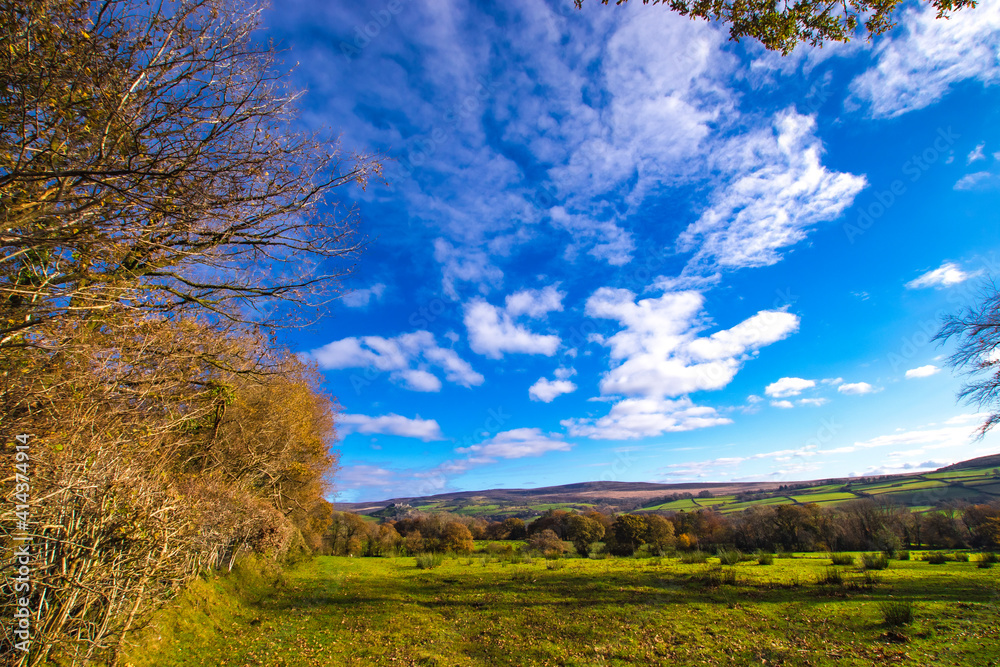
(606, 240)
(729, 462)
(976, 154)
(465, 264)
(967, 418)
(778, 190)
(946, 275)
(785, 405)
(564, 373)
(815, 402)
(546, 390)
(658, 352)
(362, 297)
(922, 371)
(492, 330)
(786, 387)
(645, 417)
(925, 56)
(391, 424)
(364, 476)
(535, 303)
(407, 358)
(958, 440)
(980, 180)
(856, 388)
(517, 443)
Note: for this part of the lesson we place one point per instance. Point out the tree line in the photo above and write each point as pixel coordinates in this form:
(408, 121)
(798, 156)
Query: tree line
(860, 525)
(159, 215)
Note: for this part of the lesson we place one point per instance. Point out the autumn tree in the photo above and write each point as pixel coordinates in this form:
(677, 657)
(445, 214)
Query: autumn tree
(546, 542)
(156, 207)
(514, 529)
(456, 538)
(583, 531)
(659, 534)
(628, 533)
(781, 26)
(146, 162)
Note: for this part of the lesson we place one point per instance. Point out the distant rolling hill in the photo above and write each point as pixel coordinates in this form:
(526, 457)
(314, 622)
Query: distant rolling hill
(969, 481)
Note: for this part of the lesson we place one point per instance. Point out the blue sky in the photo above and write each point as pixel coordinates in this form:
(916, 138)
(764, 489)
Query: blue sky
(615, 245)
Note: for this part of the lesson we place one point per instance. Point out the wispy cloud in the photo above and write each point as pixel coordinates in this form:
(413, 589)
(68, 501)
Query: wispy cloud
(976, 154)
(980, 180)
(922, 371)
(360, 298)
(517, 443)
(946, 275)
(776, 190)
(391, 424)
(927, 56)
(856, 388)
(408, 358)
(788, 387)
(645, 417)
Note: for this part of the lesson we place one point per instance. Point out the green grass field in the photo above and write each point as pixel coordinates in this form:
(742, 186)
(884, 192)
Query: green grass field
(470, 611)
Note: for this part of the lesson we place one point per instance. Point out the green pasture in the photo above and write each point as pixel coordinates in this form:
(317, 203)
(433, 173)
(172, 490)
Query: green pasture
(474, 611)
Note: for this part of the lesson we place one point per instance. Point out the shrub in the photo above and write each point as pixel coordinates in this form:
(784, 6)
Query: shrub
(497, 549)
(694, 557)
(842, 559)
(874, 561)
(896, 613)
(765, 559)
(867, 581)
(903, 555)
(717, 577)
(730, 557)
(831, 576)
(427, 561)
(962, 557)
(936, 558)
(547, 543)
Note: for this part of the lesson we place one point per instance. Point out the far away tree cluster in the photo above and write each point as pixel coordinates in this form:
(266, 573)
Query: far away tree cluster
(864, 524)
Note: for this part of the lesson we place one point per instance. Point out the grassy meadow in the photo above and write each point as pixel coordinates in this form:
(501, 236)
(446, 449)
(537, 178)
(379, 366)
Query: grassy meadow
(480, 610)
